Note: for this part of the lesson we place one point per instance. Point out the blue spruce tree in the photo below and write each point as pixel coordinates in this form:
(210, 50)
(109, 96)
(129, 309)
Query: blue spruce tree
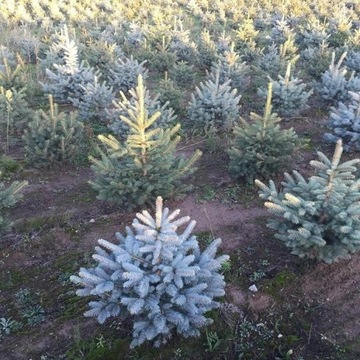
(344, 123)
(318, 218)
(156, 275)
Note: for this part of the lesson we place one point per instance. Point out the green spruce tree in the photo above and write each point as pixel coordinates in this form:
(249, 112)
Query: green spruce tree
(52, 137)
(15, 111)
(144, 165)
(12, 78)
(318, 218)
(230, 67)
(260, 147)
(126, 104)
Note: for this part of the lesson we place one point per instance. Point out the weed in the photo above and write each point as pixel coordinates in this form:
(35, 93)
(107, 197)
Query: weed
(212, 341)
(205, 237)
(39, 222)
(8, 166)
(249, 250)
(23, 298)
(252, 338)
(34, 315)
(284, 354)
(311, 308)
(8, 279)
(27, 303)
(97, 348)
(208, 193)
(257, 275)
(226, 266)
(274, 286)
(213, 143)
(178, 354)
(64, 278)
(8, 325)
(232, 194)
(264, 262)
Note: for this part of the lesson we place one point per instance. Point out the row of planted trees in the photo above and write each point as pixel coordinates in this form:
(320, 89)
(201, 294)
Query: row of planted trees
(215, 101)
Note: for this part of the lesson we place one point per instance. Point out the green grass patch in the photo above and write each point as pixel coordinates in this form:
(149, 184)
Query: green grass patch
(282, 279)
(25, 226)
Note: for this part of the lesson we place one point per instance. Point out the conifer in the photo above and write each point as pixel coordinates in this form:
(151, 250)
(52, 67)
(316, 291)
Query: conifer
(68, 78)
(134, 171)
(318, 218)
(12, 78)
(345, 123)
(353, 61)
(159, 277)
(170, 94)
(92, 105)
(123, 74)
(316, 60)
(102, 54)
(182, 74)
(52, 136)
(126, 104)
(260, 147)
(214, 103)
(230, 67)
(313, 33)
(276, 59)
(289, 94)
(182, 45)
(206, 49)
(15, 112)
(334, 85)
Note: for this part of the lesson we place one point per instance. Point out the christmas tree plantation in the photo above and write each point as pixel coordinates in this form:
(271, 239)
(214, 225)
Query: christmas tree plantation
(156, 275)
(318, 218)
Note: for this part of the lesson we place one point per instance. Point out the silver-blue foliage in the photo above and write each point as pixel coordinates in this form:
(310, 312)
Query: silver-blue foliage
(93, 103)
(353, 61)
(290, 95)
(318, 217)
(158, 276)
(124, 73)
(68, 77)
(345, 123)
(214, 103)
(334, 85)
(230, 67)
